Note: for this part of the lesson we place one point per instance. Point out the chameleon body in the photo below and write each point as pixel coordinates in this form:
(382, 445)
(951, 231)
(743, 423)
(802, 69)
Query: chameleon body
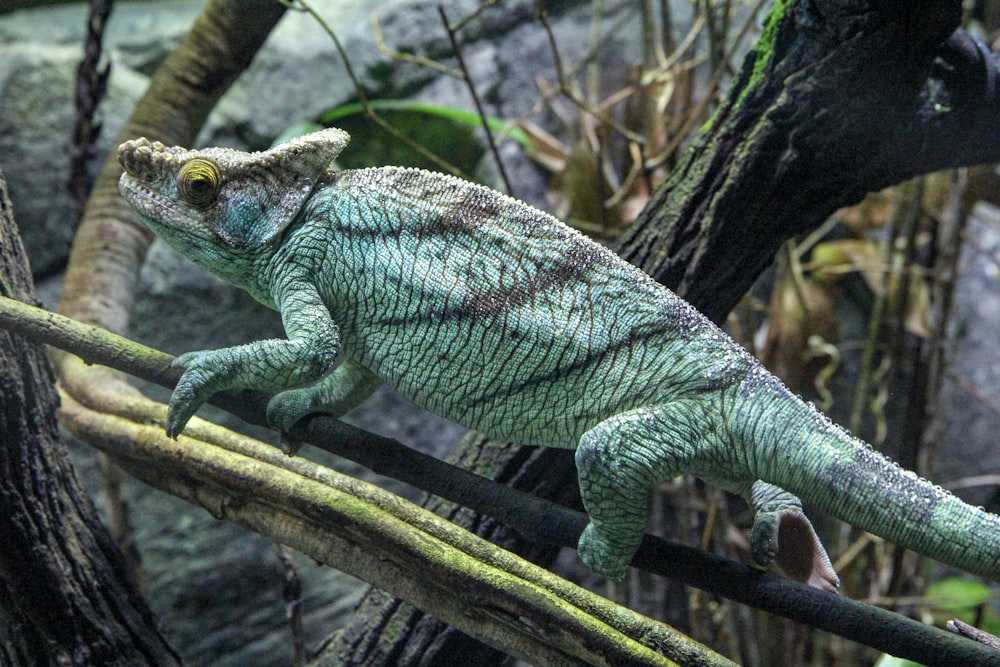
(496, 315)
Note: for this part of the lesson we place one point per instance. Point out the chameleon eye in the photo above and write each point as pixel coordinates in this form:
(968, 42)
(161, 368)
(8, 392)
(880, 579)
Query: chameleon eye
(198, 181)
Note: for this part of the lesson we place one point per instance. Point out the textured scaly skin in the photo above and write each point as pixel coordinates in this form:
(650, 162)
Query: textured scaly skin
(499, 317)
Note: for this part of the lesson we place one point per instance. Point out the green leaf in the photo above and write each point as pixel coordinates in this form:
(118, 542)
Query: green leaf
(955, 595)
(891, 661)
(459, 116)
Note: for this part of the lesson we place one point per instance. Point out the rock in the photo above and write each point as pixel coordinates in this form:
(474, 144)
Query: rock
(969, 411)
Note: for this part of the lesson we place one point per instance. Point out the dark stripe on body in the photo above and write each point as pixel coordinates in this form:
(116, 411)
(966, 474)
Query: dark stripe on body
(407, 209)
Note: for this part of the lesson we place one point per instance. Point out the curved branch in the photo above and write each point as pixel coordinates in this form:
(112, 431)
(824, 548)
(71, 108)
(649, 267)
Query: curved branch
(835, 101)
(534, 517)
(372, 534)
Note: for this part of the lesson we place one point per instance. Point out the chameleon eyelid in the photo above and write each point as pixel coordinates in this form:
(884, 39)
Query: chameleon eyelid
(198, 181)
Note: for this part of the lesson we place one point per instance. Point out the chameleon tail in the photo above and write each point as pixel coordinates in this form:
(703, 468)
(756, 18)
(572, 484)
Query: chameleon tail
(794, 446)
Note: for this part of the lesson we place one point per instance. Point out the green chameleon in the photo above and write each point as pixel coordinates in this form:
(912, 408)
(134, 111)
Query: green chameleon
(497, 316)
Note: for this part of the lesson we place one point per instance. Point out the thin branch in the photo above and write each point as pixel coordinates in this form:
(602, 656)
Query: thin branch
(91, 85)
(566, 89)
(475, 99)
(535, 518)
(304, 6)
(292, 593)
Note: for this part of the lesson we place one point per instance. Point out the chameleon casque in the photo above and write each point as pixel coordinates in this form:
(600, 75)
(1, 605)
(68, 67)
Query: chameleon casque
(497, 316)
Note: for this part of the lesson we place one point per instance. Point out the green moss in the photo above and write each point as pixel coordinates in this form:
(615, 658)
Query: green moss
(757, 61)
(763, 50)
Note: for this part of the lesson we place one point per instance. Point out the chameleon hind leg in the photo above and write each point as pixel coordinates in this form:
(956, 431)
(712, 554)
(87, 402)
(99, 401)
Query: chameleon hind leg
(618, 462)
(620, 459)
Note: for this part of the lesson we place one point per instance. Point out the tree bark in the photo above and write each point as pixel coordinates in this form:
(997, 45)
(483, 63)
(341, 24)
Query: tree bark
(837, 99)
(65, 595)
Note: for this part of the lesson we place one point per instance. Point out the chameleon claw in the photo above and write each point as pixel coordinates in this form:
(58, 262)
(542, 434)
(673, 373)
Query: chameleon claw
(290, 445)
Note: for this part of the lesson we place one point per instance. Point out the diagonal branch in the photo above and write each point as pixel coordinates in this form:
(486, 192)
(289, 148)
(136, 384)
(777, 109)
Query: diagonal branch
(535, 518)
(835, 101)
(480, 589)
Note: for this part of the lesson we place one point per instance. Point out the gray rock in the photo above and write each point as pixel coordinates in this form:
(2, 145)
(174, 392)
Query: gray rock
(969, 410)
(36, 96)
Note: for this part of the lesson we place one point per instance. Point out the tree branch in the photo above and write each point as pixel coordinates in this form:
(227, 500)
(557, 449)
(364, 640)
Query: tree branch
(469, 583)
(836, 100)
(535, 518)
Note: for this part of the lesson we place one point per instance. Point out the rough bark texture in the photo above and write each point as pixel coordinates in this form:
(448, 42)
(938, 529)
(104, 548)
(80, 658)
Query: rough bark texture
(65, 597)
(838, 99)
(387, 631)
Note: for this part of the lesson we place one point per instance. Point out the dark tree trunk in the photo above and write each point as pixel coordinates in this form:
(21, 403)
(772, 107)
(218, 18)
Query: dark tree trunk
(65, 597)
(837, 99)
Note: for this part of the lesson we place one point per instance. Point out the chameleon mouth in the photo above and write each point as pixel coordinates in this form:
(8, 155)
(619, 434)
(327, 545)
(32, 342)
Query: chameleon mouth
(147, 202)
(148, 166)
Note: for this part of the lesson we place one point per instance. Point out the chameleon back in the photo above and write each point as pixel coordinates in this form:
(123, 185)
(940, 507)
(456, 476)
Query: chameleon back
(496, 315)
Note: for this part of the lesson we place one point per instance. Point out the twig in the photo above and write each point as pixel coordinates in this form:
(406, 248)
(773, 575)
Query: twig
(292, 592)
(475, 100)
(566, 89)
(972, 632)
(304, 6)
(91, 85)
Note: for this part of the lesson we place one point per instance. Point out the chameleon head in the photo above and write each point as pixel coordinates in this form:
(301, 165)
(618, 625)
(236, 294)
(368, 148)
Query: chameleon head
(201, 201)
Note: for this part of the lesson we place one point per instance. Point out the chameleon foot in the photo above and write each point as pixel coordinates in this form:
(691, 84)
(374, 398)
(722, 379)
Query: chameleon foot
(787, 538)
(602, 556)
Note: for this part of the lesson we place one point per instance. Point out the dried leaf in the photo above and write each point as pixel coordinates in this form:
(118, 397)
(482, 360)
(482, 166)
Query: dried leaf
(871, 213)
(834, 258)
(580, 191)
(796, 317)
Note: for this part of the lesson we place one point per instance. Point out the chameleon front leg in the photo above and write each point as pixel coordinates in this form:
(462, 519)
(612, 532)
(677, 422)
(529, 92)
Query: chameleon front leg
(308, 354)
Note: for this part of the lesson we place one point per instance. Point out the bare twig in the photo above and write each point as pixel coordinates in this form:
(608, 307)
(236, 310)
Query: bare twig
(475, 99)
(91, 85)
(292, 592)
(304, 6)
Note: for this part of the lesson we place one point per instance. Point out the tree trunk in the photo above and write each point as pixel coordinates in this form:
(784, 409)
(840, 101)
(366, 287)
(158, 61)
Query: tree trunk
(835, 101)
(65, 596)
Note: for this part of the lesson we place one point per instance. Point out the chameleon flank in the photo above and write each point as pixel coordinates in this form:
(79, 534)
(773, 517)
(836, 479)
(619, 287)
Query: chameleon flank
(496, 315)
